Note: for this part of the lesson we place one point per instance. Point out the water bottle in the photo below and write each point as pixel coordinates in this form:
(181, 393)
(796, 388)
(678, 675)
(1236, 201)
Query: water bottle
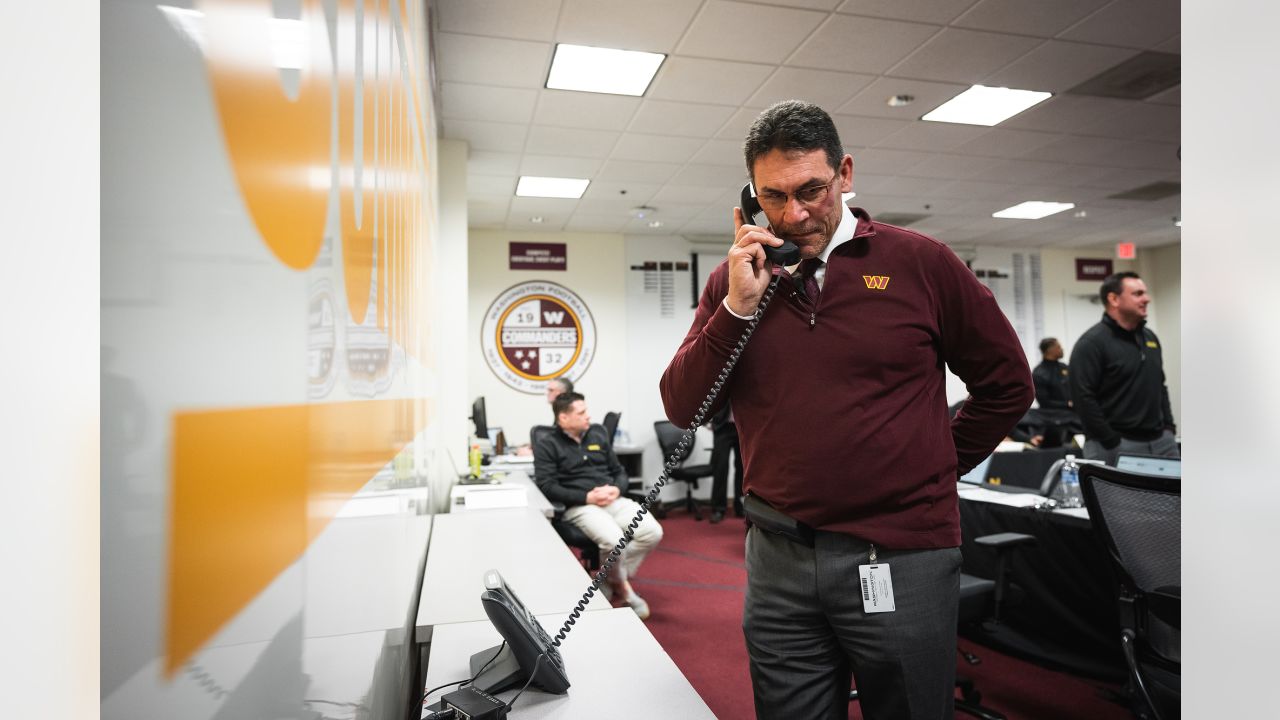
(476, 458)
(1069, 484)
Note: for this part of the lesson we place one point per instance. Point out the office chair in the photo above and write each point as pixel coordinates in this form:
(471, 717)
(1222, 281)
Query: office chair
(668, 439)
(1138, 519)
(980, 601)
(588, 551)
(611, 424)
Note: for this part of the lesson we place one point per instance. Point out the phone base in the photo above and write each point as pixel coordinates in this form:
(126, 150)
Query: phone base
(503, 673)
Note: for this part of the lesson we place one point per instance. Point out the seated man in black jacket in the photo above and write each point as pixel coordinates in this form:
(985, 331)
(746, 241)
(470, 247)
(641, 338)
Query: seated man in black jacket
(575, 465)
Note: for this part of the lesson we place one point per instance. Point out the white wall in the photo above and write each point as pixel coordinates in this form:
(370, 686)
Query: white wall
(1161, 268)
(596, 274)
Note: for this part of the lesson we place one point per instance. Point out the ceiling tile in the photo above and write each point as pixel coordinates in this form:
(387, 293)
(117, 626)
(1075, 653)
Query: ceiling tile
(526, 207)
(1057, 66)
(657, 148)
(928, 11)
(483, 102)
(1172, 96)
(720, 152)
(492, 61)
(738, 125)
(1045, 19)
(859, 44)
(809, 4)
(828, 90)
(963, 56)
(880, 161)
(874, 99)
(719, 29)
(664, 117)
(1002, 142)
(652, 26)
(559, 166)
(596, 223)
(952, 167)
(865, 131)
(1140, 121)
(632, 171)
(544, 140)
(1131, 23)
(483, 162)
(1172, 45)
(717, 176)
(938, 137)
(1019, 171)
(699, 194)
(1064, 113)
(594, 111)
(491, 185)
(520, 19)
(629, 192)
(492, 136)
(707, 81)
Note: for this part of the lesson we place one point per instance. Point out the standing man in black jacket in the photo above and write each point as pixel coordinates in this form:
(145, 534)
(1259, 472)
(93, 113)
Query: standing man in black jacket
(575, 465)
(1056, 418)
(1117, 378)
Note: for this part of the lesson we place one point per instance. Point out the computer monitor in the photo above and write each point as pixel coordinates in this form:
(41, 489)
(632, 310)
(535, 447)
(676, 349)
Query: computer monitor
(978, 474)
(1150, 465)
(479, 419)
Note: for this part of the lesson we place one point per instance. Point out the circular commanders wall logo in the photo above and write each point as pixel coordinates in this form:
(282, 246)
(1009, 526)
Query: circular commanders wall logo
(536, 331)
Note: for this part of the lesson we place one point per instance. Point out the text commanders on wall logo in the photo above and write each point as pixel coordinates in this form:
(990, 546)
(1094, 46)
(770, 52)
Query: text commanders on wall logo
(536, 331)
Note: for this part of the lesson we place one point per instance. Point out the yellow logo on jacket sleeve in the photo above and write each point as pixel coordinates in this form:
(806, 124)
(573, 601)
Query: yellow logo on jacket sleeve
(1152, 344)
(593, 446)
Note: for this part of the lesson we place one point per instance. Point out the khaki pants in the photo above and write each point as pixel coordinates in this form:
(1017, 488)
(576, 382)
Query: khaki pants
(605, 525)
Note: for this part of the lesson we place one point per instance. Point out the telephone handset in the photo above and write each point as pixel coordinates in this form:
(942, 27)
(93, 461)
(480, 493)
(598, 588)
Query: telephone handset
(785, 254)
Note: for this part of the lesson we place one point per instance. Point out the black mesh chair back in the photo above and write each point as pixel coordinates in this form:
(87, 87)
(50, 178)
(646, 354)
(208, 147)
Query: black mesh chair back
(537, 432)
(611, 423)
(1138, 518)
(668, 441)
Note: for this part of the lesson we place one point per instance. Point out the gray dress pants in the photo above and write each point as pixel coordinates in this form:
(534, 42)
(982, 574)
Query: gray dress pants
(1164, 446)
(807, 634)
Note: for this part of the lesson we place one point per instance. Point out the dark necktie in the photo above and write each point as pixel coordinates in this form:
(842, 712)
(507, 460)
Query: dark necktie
(808, 271)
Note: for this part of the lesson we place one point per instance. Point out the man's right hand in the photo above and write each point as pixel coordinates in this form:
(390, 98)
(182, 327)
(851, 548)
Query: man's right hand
(749, 269)
(602, 495)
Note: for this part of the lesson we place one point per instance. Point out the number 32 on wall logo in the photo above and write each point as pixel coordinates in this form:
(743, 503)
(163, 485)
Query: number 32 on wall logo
(536, 331)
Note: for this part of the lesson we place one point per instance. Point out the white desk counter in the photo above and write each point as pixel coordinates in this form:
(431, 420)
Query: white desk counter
(616, 670)
(520, 544)
(531, 497)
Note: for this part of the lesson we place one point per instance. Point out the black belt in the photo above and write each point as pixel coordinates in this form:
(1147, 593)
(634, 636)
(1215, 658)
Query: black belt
(762, 515)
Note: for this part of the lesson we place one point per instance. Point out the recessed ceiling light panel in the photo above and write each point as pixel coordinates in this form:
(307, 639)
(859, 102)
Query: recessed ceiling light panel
(551, 187)
(1033, 210)
(602, 70)
(981, 105)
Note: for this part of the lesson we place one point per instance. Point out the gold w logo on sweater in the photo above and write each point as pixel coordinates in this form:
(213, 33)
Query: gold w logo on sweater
(876, 282)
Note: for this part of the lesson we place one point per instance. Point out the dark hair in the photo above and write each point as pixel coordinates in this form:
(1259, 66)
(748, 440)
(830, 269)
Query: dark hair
(1047, 343)
(566, 385)
(1115, 284)
(562, 403)
(792, 125)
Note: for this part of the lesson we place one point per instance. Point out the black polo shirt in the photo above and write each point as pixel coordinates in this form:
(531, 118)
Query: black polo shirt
(566, 470)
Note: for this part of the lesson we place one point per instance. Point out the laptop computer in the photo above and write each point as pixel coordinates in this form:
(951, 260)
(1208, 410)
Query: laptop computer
(1150, 465)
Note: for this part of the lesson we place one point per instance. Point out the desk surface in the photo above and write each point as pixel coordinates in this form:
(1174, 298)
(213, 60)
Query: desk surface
(616, 670)
(516, 477)
(520, 544)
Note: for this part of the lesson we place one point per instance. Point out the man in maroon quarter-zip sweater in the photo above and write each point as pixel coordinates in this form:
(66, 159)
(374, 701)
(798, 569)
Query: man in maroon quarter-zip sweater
(853, 556)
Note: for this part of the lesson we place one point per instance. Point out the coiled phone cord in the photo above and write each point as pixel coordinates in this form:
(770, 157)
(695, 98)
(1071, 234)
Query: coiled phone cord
(673, 460)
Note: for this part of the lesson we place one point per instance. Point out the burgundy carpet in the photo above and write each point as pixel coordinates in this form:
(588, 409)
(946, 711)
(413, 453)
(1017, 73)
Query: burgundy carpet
(694, 583)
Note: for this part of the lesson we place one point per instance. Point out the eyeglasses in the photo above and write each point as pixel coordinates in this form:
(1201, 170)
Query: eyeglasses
(807, 196)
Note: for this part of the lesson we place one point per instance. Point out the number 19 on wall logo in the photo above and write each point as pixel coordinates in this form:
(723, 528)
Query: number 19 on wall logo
(536, 331)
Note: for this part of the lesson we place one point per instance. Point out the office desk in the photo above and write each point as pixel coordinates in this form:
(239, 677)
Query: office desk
(520, 544)
(1067, 617)
(616, 670)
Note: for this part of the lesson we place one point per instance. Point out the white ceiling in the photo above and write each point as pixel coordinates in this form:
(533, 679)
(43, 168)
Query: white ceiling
(678, 148)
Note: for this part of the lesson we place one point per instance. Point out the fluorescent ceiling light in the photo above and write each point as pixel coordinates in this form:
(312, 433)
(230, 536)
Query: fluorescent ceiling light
(550, 187)
(980, 105)
(1032, 210)
(602, 70)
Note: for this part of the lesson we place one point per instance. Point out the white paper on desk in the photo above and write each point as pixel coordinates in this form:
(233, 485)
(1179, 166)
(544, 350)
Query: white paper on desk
(488, 497)
(512, 459)
(1000, 498)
